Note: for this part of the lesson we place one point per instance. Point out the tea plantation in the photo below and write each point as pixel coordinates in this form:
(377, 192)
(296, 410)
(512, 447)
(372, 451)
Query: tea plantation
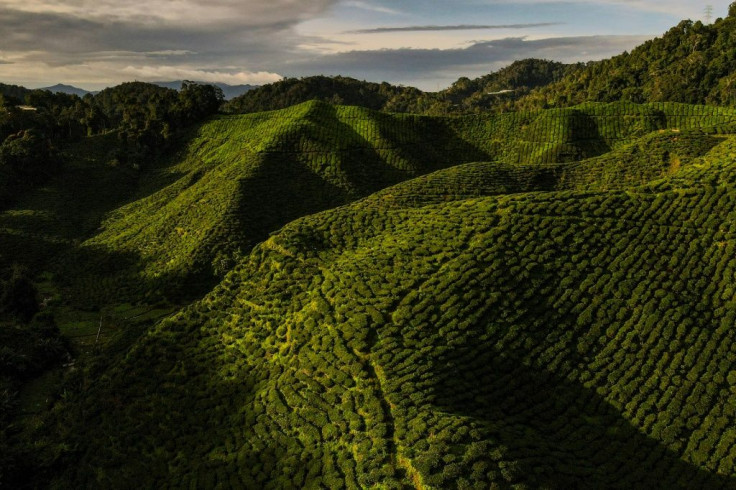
(517, 300)
(240, 178)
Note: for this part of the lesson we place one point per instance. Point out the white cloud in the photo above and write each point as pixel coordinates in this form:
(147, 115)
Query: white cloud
(179, 12)
(157, 73)
(371, 8)
(99, 74)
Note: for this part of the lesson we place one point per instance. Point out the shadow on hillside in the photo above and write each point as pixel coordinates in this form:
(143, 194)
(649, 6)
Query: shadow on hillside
(401, 149)
(562, 434)
(570, 136)
(178, 411)
(293, 183)
(427, 144)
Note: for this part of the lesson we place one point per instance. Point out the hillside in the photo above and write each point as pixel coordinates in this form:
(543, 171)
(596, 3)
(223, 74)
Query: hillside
(334, 90)
(692, 63)
(240, 178)
(565, 258)
(347, 349)
(465, 95)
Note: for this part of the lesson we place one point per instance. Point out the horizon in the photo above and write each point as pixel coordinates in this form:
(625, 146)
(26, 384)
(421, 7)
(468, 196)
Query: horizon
(422, 43)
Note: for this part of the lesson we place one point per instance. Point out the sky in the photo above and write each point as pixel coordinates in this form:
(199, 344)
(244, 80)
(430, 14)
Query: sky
(423, 43)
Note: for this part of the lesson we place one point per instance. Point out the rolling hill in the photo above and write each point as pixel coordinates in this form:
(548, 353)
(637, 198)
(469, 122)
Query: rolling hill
(240, 178)
(524, 281)
(537, 300)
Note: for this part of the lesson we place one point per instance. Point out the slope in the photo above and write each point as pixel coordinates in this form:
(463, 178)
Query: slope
(240, 178)
(566, 339)
(465, 95)
(691, 63)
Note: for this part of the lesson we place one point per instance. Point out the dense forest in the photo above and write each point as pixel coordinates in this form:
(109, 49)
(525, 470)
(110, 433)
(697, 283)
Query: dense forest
(524, 281)
(693, 63)
(35, 125)
(464, 95)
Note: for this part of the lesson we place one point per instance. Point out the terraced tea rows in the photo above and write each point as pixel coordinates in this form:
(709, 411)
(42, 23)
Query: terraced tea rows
(562, 339)
(243, 177)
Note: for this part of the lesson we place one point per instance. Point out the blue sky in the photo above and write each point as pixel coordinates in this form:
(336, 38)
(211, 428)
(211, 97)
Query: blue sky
(425, 43)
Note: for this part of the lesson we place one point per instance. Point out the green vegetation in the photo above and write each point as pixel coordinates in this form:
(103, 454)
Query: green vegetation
(521, 299)
(36, 124)
(692, 63)
(464, 96)
(242, 177)
(329, 296)
(557, 339)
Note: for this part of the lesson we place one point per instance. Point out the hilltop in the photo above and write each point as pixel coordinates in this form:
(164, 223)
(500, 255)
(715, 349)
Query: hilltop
(465, 95)
(692, 63)
(68, 89)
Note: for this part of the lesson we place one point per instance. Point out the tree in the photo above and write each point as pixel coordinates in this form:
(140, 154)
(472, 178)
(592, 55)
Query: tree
(19, 296)
(199, 101)
(29, 155)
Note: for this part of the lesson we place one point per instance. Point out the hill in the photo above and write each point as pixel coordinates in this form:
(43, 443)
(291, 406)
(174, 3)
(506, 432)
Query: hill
(692, 63)
(229, 91)
(68, 89)
(334, 90)
(15, 92)
(545, 314)
(465, 95)
(564, 340)
(240, 178)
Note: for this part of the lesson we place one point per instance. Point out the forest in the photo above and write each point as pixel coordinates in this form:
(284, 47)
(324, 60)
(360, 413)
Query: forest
(692, 63)
(328, 283)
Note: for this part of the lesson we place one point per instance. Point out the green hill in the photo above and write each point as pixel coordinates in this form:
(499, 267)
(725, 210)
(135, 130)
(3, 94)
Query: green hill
(538, 300)
(240, 178)
(334, 90)
(691, 63)
(465, 95)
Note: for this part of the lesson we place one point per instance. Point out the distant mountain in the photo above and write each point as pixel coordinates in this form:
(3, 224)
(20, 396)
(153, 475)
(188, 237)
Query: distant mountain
(230, 91)
(67, 89)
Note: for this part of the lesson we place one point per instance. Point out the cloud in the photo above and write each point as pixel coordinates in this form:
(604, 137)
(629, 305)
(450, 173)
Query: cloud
(151, 73)
(459, 27)
(677, 8)
(170, 52)
(47, 47)
(94, 42)
(179, 12)
(371, 8)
